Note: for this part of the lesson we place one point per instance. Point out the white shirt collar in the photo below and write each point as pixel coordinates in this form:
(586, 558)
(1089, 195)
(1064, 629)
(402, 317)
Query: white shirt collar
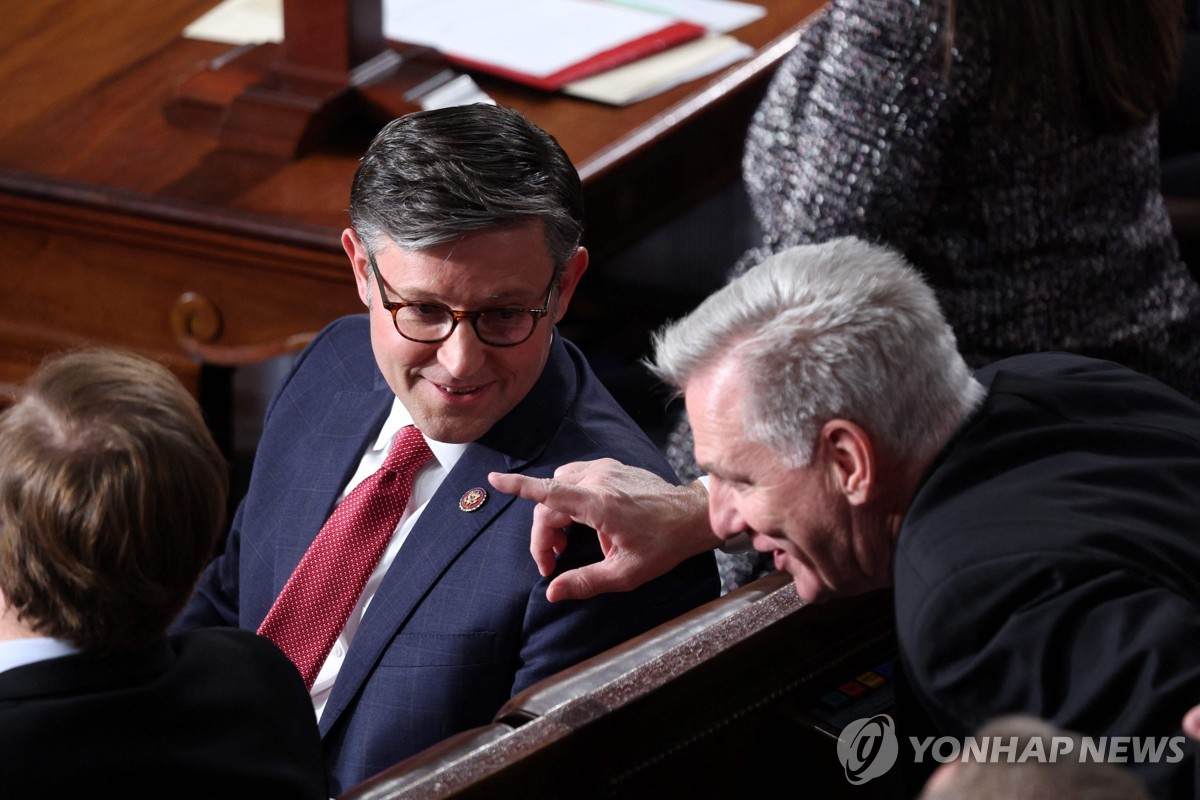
(19, 652)
(447, 454)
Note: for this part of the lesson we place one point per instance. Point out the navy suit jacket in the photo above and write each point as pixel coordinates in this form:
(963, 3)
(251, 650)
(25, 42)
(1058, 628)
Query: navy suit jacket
(460, 622)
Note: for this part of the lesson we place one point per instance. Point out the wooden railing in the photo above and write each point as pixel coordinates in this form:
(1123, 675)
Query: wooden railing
(698, 707)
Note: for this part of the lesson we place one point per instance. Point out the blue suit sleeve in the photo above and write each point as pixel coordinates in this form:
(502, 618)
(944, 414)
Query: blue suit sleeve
(558, 635)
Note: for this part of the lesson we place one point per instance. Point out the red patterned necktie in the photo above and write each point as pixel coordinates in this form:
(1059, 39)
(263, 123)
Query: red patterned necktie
(317, 599)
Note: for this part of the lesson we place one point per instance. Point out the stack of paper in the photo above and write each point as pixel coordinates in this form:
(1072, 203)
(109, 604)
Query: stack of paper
(541, 43)
(655, 74)
(635, 48)
(611, 51)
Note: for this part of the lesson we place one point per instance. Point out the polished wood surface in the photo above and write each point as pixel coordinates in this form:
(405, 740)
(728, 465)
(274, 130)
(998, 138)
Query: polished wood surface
(123, 226)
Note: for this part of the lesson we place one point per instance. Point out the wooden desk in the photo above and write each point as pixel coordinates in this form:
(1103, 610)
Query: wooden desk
(121, 228)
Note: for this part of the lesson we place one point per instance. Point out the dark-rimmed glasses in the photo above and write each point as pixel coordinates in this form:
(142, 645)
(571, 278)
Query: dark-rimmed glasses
(430, 323)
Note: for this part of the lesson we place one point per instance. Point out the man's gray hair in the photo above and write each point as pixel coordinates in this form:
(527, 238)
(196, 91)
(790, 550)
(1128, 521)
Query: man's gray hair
(432, 177)
(839, 330)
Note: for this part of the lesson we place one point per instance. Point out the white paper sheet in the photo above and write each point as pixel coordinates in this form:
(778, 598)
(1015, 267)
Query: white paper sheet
(460, 91)
(240, 22)
(538, 37)
(534, 37)
(718, 16)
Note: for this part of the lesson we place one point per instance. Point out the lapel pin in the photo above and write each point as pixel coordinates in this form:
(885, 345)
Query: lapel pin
(472, 500)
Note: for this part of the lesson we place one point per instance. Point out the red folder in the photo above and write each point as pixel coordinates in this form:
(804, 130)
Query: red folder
(668, 36)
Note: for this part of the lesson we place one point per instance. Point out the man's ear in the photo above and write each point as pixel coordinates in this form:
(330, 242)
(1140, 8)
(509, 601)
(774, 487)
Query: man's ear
(356, 251)
(851, 459)
(569, 280)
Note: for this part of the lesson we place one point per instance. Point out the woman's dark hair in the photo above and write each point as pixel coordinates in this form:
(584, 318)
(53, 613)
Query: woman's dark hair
(1112, 64)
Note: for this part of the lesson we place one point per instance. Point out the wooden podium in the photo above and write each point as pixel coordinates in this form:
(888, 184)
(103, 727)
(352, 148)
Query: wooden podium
(333, 74)
(185, 199)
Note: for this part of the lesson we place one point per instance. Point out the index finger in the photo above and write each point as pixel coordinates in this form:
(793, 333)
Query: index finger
(565, 498)
(547, 537)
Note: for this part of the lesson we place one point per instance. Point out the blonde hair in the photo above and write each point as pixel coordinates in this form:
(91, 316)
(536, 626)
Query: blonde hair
(112, 499)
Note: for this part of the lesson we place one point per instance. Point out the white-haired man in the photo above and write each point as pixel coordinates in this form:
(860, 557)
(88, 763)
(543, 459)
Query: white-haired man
(1037, 520)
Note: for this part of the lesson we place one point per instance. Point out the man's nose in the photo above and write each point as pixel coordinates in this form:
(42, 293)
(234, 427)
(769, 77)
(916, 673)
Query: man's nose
(462, 353)
(723, 513)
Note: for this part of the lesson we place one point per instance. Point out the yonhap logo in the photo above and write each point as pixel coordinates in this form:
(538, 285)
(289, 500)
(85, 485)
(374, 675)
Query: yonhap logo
(868, 748)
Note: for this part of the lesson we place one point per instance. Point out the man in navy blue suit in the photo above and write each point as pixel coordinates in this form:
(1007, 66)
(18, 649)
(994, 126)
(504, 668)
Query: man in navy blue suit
(465, 248)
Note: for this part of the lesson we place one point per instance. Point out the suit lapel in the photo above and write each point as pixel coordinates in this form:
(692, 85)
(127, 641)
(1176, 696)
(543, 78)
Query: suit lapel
(339, 439)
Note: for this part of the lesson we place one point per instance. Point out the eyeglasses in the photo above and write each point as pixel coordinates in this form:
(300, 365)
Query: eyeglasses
(430, 323)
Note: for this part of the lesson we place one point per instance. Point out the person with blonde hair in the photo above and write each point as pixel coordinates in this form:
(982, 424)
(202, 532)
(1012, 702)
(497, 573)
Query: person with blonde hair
(112, 499)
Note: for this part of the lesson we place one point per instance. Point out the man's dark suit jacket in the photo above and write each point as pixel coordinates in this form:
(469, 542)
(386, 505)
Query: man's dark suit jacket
(207, 714)
(460, 622)
(1050, 563)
